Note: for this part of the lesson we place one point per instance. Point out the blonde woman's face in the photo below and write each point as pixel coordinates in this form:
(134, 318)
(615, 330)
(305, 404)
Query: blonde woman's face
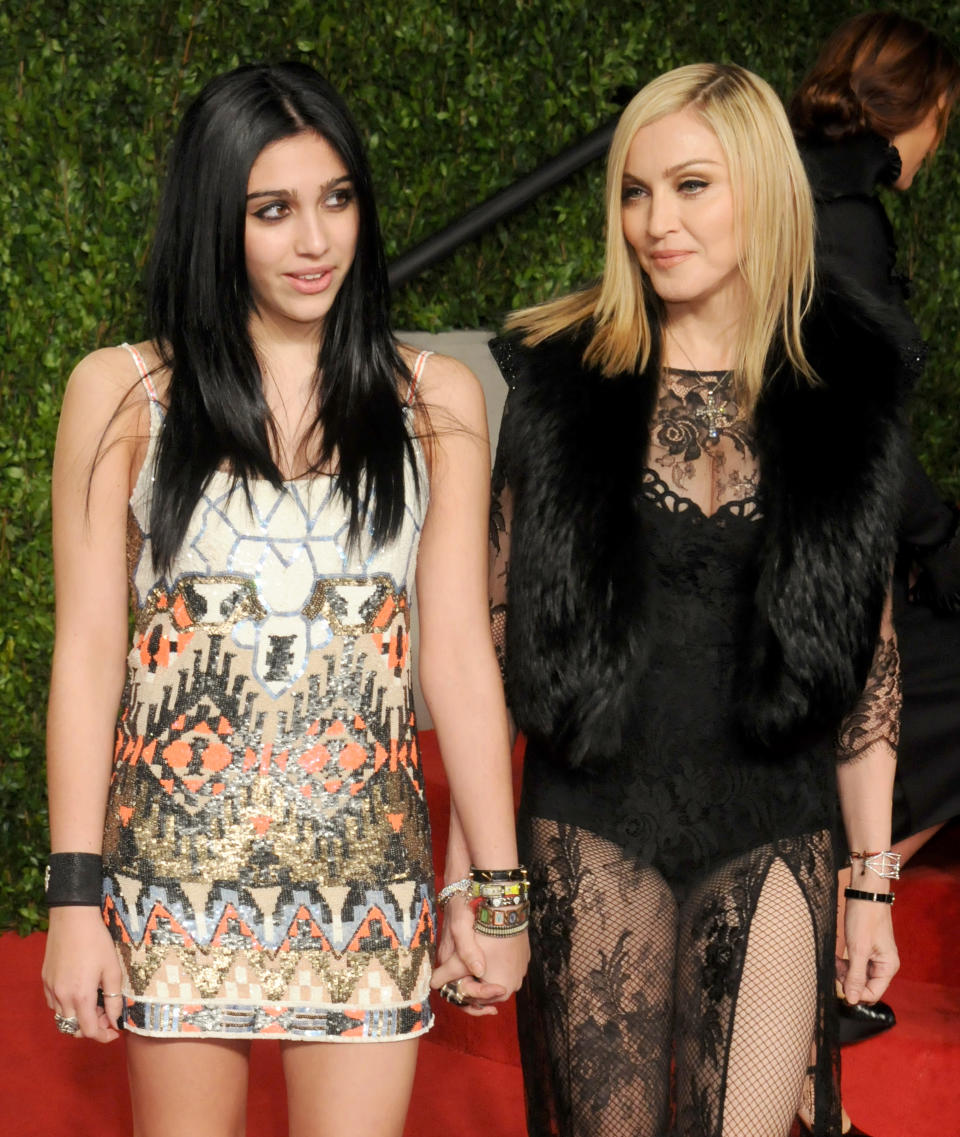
(678, 210)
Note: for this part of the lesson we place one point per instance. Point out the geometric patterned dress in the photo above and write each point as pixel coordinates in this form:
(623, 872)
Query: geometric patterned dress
(266, 853)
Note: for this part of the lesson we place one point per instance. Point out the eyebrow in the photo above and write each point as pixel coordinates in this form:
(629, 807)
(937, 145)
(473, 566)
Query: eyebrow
(325, 188)
(677, 168)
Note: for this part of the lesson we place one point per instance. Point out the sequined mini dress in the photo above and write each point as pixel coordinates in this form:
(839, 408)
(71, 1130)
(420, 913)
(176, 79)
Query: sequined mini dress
(267, 860)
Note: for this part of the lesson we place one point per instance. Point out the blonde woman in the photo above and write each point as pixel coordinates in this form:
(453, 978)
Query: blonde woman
(693, 536)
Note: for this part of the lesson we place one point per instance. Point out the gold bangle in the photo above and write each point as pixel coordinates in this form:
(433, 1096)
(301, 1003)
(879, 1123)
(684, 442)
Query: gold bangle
(502, 933)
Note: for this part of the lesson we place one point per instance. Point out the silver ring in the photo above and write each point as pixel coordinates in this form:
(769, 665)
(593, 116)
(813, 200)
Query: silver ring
(66, 1024)
(112, 994)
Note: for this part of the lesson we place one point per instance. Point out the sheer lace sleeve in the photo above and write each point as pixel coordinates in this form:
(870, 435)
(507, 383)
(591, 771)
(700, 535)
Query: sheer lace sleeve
(501, 511)
(876, 717)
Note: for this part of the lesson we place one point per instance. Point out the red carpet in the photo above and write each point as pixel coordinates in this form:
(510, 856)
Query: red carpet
(903, 1084)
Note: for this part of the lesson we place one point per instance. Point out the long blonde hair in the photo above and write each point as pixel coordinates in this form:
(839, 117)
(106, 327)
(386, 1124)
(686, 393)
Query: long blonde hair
(774, 225)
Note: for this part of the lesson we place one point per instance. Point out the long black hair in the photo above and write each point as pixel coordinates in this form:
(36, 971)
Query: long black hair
(200, 303)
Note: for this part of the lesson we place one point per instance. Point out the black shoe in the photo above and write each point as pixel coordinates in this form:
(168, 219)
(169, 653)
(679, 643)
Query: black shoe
(863, 1020)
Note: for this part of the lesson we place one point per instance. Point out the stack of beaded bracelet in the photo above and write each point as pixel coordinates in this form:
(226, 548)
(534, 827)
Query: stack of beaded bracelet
(504, 904)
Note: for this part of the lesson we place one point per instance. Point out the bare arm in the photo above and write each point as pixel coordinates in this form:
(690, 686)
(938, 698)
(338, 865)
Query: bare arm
(458, 669)
(458, 940)
(868, 749)
(88, 659)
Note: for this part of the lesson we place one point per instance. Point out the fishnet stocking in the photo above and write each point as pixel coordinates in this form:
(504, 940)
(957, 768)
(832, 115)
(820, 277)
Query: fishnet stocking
(629, 971)
(596, 1018)
(746, 1000)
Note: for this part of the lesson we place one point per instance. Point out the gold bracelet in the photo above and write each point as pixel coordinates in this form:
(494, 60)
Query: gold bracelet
(502, 933)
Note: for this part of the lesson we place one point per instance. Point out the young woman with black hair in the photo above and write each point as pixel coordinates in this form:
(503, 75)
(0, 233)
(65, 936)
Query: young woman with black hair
(244, 853)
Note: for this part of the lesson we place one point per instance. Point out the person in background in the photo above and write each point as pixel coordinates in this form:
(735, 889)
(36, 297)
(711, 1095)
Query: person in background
(873, 108)
(682, 485)
(244, 853)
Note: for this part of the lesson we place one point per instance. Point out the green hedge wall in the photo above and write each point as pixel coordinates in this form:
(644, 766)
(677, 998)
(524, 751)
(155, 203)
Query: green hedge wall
(456, 100)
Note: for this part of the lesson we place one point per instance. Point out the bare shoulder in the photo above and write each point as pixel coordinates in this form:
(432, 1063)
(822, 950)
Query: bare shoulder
(449, 386)
(105, 375)
(106, 403)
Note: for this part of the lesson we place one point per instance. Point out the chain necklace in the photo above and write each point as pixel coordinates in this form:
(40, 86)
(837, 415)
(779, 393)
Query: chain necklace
(713, 414)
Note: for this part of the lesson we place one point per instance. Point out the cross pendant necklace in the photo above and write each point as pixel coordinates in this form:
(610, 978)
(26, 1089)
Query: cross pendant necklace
(713, 414)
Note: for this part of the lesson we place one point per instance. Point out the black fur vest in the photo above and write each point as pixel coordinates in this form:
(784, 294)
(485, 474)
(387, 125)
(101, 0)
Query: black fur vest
(572, 449)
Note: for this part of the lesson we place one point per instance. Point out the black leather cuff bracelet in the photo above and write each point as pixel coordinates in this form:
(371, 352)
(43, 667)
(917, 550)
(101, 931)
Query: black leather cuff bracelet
(74, 879)
(876, 897)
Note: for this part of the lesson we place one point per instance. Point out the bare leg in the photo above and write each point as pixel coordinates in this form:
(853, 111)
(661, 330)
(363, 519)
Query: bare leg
(192, 1088)
(336, 1089)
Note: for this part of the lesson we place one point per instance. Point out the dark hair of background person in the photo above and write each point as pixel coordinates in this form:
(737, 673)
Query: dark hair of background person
(200, 303)
(880, 72)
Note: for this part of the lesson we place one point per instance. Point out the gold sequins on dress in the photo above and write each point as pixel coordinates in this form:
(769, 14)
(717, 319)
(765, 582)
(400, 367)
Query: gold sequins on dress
(267, 861)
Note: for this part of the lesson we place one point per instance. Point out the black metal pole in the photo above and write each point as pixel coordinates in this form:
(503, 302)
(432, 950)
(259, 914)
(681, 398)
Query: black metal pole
(506, 201)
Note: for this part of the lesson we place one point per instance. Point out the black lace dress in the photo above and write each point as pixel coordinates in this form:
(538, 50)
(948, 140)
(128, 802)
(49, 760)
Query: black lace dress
(684, 892)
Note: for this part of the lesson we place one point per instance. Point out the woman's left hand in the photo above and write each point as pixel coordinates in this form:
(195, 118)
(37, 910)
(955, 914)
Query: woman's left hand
(872, 953)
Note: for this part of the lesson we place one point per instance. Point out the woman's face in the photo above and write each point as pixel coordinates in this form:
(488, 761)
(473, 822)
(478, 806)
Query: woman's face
(678, 210)
(301, 231)
(915, 144)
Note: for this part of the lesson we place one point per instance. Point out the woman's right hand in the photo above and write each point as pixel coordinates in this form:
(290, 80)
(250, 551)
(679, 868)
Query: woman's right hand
(81, 960)
(872, 952)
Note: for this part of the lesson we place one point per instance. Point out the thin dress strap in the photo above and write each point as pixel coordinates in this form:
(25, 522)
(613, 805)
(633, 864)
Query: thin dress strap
(416, 371)
(143, 372)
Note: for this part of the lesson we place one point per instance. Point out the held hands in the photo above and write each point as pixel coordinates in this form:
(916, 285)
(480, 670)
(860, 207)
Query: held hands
(872, 953)
(80, 960)
(483, 969)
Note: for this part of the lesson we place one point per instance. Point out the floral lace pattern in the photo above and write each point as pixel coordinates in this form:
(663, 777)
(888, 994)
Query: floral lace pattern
(632, 988)
(876, 717)
(672, 881)
(700, 442)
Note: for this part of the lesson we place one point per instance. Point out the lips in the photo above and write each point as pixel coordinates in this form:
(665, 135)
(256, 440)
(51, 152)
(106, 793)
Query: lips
(312, 282)
(667, 258)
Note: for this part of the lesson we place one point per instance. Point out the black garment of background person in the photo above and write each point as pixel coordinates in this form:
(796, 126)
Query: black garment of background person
(856, 237)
